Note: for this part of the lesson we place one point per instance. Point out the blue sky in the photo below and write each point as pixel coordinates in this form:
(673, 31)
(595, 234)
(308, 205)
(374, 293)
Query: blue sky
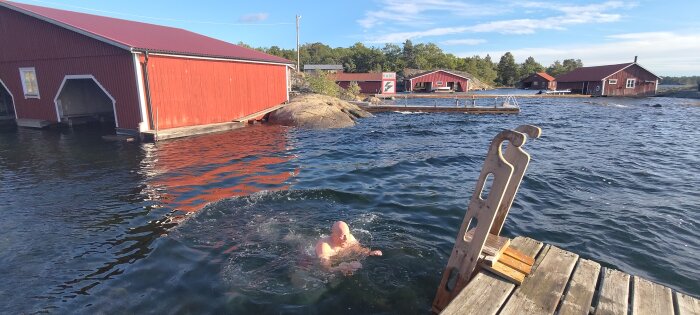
(664, 34)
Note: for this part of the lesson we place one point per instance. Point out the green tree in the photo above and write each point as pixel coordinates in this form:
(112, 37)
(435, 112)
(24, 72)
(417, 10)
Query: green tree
(568, 65)
(409, 54)
(507, 71)
(529, 67)
(393, 60)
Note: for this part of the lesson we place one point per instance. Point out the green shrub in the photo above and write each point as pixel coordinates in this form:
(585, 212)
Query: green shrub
(323, 83)
(352, 92)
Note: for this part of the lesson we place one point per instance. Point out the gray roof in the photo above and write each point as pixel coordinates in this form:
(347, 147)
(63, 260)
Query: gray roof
(323, 67)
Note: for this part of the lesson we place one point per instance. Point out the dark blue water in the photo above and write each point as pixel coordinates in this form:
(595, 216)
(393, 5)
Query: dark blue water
(226, 223)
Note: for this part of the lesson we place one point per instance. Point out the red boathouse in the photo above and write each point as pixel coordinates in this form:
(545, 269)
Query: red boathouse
(626, 79)
(539, 81)
(58, 65)
(436, 81)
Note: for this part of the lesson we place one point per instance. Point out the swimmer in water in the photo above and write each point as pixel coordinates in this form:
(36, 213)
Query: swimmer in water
(341, 242)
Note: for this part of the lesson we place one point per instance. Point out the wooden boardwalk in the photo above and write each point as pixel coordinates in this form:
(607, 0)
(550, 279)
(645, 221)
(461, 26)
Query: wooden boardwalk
(563, 283)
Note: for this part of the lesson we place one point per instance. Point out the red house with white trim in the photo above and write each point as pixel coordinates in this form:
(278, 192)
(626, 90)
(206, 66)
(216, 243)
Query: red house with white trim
(370, 83)
(57, 65)
(437, 81)
(625, 79)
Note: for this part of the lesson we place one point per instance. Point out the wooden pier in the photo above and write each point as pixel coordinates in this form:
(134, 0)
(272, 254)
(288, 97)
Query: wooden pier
(441, 109)
(491, 274)
(469, 96)
(563, 283)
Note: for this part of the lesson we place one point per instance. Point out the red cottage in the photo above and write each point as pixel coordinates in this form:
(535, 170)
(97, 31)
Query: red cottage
(370, 83)
(539, 81)
(58, 65)
(626, 79)
(437, 81)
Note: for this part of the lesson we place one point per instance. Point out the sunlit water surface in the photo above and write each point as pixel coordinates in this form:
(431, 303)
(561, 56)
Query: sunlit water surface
(226, 223)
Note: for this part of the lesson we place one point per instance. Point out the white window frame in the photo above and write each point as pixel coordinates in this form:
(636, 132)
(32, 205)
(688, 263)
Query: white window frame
(612, 81)
(631, 86)
(22, 71)
(439, 83)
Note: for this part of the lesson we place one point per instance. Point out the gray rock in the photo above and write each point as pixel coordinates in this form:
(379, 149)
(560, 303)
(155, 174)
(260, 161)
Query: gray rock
(318, 111)
(373, 100)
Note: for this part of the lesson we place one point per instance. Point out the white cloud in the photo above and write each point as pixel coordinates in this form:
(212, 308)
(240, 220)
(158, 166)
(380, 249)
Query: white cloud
(402, 36)
(664, 53)
(465, 41)
(415, 12)
(254, 17)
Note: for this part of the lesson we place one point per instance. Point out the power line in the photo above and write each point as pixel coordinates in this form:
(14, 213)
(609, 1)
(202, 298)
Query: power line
(160, 18)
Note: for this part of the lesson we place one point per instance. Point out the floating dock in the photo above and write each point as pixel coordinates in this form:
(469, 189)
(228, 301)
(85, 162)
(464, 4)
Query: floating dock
(441, 109)
(464, 96)
(563, 283)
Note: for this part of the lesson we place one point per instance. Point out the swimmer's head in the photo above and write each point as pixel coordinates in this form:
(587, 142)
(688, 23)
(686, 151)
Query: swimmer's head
(340, 233)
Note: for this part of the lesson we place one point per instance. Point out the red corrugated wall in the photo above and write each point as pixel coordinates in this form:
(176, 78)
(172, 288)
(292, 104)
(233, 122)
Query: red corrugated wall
(640, 88)
(56, 52)
(188, 91)
(367, 87)
(444, 77)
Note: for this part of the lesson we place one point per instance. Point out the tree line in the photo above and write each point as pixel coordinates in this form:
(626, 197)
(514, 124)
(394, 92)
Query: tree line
(424, 56)
(686, 80)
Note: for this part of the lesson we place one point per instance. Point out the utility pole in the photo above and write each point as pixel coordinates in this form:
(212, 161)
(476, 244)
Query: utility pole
(298, 59)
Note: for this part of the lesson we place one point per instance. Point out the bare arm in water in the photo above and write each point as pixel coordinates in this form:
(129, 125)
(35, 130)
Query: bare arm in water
(324, 251)
(341, 242)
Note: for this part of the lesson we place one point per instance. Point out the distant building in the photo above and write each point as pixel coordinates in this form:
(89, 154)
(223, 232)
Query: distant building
(324, 68)
(625, 79)
(370, 83)
(539, 81)
(436, 81)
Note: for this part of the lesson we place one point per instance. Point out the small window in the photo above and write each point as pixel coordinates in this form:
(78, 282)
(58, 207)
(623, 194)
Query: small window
(612, 81)
(631, 83)
(438, 82)
(29, 83)
(535, 83)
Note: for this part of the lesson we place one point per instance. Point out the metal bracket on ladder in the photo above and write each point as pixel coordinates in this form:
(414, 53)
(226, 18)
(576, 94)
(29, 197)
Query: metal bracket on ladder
(488, 214)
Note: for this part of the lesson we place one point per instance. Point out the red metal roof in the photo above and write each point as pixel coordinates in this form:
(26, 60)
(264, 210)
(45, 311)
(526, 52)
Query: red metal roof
(546, 76)
(591, 73)
(366, 77)
(143, 36)
(433, 71)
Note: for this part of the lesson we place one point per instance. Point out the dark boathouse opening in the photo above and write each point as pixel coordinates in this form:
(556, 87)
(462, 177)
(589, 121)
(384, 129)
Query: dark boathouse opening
(7, 107)
(84, 101)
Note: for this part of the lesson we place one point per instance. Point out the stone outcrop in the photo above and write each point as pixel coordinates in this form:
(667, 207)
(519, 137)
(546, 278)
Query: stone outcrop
(318, 111)
(373, 100)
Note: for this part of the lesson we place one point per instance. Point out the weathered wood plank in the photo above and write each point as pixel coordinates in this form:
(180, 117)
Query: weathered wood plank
(614, 293)
(541, 292)
(516, 254)
(581, 288)
(687, 305)
(651, 298)
(506, 272)
(511, 262)
(526, 245)
(494, 246)
(486, 292)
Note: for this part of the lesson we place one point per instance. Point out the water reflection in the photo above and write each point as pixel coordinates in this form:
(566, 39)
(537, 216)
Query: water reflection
(79, 211)
(191, 172)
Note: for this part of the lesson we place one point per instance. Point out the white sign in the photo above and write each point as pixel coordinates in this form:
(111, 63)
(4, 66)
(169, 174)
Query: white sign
(389, 75)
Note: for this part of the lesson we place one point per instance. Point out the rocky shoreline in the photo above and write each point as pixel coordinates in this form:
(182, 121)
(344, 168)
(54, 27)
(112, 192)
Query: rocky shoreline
(318, 111)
